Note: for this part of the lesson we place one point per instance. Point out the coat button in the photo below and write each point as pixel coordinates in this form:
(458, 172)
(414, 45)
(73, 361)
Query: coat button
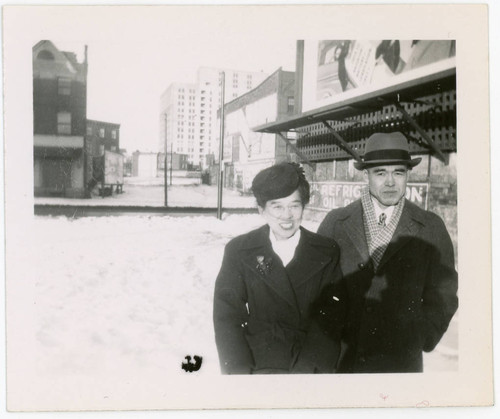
(361, 266)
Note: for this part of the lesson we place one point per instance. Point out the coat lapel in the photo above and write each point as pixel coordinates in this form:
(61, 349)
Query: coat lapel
(257, 246)
(308, 260)
(407, 228)
(353, 228)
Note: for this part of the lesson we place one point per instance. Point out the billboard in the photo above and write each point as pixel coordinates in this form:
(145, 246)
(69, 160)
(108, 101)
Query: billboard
(336, 70)
(241, 142)
(113, 167)
(326, 196)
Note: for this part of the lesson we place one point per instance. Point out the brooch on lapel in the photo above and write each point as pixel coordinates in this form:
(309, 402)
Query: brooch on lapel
(264, 265)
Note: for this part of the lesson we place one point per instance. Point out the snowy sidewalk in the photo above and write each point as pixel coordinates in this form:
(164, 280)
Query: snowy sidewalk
(140, 194)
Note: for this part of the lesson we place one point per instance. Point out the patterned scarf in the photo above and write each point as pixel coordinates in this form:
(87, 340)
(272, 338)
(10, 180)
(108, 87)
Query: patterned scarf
(378, 236)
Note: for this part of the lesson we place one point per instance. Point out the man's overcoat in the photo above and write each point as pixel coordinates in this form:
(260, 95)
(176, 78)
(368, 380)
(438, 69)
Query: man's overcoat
(272, 319)
(402, 307)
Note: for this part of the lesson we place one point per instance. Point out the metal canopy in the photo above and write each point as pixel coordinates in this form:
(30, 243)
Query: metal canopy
(404, 92)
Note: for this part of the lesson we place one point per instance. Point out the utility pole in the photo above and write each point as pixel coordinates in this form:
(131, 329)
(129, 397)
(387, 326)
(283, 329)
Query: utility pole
(171, 163)
(221, 149)
(87, 160)
(165, 160)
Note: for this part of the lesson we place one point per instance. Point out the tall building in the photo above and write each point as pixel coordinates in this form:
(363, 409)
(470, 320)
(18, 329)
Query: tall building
(188, 111)
(59, 119)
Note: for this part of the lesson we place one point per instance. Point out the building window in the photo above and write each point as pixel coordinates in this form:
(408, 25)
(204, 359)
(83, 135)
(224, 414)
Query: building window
(290, 104)
(101, 132)
(113, 134)
(64, 123)
(45, 55)
(89, 129)
(113, 148)
(64, 86)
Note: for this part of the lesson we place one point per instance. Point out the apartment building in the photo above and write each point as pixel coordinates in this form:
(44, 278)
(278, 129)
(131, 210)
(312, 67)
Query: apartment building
(188, 111)
(59, 122)
(103, 145)
(102, 136)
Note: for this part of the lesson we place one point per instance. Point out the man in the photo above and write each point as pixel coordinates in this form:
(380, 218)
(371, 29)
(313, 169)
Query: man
(276, 307)
(398, 266)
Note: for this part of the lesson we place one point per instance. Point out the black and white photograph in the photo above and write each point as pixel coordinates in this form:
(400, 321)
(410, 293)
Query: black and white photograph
(207, 208)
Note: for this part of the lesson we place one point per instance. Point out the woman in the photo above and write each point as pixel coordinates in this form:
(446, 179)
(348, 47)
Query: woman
(278, 302)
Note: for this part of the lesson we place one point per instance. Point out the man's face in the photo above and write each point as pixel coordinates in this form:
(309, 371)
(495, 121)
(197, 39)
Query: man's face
(387, 184)
(283, 215)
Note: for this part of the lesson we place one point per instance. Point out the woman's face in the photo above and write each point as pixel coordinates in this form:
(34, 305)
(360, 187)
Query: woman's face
(283, 215)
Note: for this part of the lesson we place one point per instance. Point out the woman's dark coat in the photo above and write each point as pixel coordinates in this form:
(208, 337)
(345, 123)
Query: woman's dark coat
(269, 319)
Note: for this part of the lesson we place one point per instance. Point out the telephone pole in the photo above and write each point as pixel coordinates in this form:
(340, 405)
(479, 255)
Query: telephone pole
(221, 149)
(165, 160)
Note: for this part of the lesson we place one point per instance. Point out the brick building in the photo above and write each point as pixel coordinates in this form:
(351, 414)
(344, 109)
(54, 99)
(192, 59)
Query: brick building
(247, 152)
(59, 118)
(102, 137)
(175, 161)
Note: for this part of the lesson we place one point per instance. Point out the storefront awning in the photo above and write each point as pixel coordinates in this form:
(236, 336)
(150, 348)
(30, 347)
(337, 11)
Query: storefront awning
(58, 141)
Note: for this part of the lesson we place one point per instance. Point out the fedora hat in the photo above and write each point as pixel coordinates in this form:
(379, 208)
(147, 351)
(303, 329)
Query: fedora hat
(386, 148)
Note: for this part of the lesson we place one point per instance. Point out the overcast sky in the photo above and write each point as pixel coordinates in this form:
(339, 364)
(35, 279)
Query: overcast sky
(135, 53)
(127, 74)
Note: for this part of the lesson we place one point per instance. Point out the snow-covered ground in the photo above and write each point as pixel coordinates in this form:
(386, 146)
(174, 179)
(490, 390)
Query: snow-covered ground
(114, 293)
(109, 307)
(134, 294)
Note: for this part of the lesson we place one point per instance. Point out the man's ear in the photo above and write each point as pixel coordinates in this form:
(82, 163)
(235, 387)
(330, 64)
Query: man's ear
(260, 209)
(365, 175)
